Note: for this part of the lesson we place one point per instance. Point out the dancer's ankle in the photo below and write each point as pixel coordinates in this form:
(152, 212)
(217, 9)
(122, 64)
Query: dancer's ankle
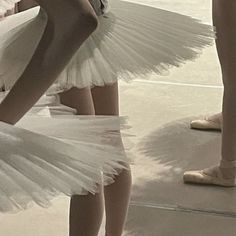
(228, 168)
(215, 118)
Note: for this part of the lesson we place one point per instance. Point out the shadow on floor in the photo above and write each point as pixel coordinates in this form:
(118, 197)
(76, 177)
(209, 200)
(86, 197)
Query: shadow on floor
(161, 158)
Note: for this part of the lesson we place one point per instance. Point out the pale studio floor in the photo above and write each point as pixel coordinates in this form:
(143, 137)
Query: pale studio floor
(163, 148)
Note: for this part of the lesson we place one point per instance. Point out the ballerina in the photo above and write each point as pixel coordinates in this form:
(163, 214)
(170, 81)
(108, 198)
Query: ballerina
(89, 207)
(121, 34)
(36, 167)
(116, 195)
(224, 174)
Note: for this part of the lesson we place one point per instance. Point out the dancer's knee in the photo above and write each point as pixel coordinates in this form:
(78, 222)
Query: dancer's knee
(72, 14)
(90, 20)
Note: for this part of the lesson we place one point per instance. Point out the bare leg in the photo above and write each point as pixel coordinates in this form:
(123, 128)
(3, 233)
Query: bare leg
(117, 195)
(79, 99)
(213, 122)
(225, 21)
(105, 102)
(68, 21)
(85, 212)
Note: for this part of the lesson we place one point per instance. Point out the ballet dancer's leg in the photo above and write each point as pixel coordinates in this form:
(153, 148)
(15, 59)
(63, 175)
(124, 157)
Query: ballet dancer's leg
(86, 213)
(225, 21)
(105, 102)
(79, 99)
(70, 22)
(117, 195)
(215, 121)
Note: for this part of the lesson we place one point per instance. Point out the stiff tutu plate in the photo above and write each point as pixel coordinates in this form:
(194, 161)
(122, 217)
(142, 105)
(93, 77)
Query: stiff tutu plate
(131, 40)
(66, 155)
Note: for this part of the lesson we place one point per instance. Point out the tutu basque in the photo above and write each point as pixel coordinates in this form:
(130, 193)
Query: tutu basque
(130, 41)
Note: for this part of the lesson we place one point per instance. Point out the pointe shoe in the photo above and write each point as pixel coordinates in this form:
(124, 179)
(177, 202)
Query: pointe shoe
(212, 175)
(208, 123)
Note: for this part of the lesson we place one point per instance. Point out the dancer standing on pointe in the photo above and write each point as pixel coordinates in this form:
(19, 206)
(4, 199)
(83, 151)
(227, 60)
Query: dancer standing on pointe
(224, 174)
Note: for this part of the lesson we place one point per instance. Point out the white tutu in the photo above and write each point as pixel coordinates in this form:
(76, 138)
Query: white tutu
(64, 155)
(131, 40)
(6, 5)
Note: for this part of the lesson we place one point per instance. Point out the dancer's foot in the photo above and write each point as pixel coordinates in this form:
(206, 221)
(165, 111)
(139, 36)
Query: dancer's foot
(223, 175)
(213, 122)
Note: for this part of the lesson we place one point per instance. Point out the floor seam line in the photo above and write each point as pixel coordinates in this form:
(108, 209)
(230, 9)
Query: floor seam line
(179, 84)
(178, 208)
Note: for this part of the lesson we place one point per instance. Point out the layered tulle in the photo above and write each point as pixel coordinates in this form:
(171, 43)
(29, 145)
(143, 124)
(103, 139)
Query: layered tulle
(63, 156)
(19, 37)
(131, 40)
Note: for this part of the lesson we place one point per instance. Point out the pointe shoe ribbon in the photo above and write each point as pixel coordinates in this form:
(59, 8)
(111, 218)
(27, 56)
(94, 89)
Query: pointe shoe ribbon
(211, 176)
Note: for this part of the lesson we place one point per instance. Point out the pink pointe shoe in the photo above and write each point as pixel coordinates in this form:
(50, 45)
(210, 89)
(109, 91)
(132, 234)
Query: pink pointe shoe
(213, 175)
(213, 122)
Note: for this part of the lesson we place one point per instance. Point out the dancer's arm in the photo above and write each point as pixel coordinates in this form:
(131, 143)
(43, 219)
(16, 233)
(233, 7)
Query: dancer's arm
(70, 22)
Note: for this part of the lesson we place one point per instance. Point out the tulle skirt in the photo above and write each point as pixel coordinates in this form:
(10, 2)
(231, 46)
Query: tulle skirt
(131, 40)
(43, 157)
